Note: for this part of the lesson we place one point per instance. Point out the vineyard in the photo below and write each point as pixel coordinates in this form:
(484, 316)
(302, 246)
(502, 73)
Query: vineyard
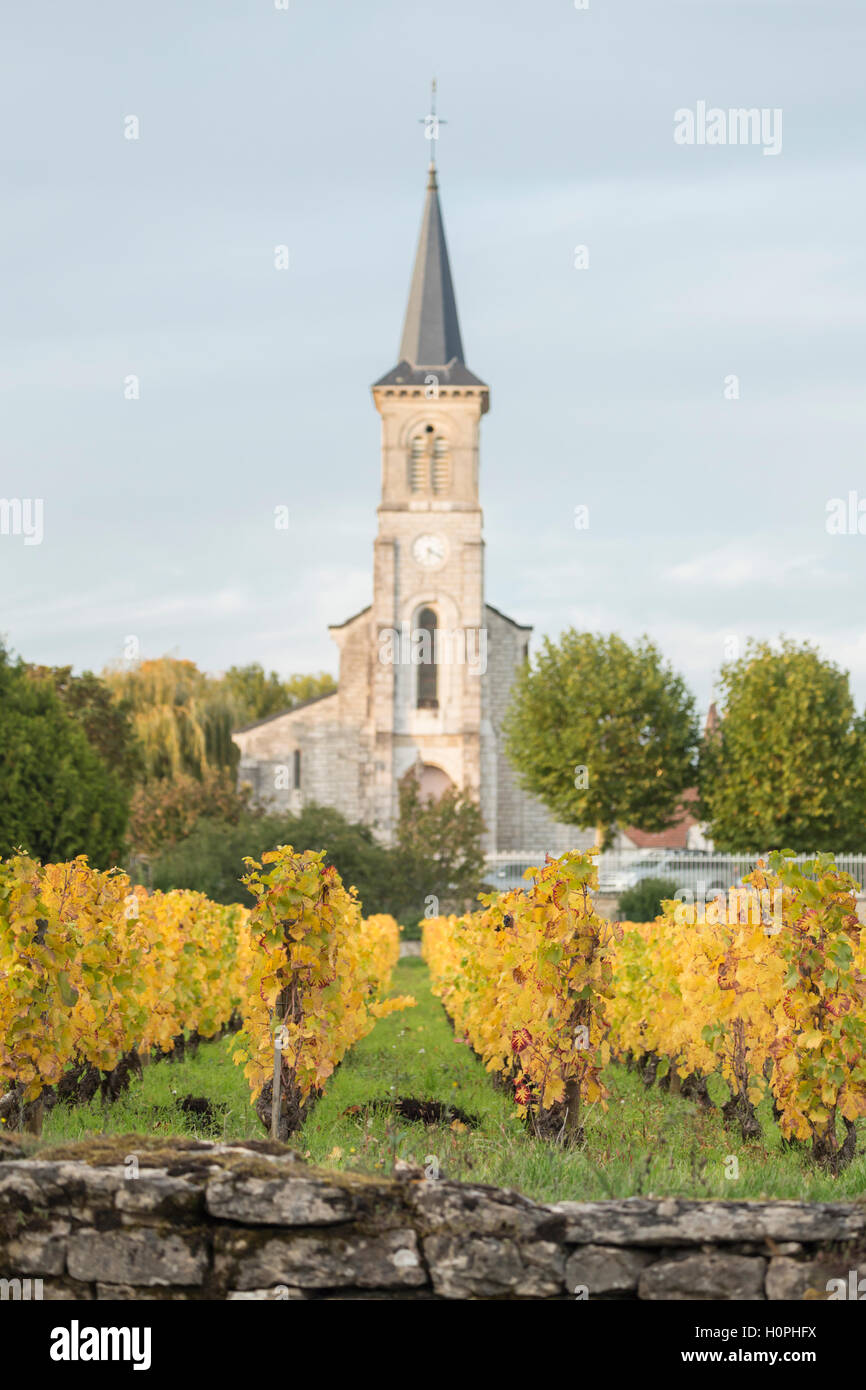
(744, 1018)
(548, 993)
(97, 976)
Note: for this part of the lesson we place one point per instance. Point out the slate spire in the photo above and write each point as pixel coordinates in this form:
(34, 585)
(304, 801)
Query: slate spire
(431, 331)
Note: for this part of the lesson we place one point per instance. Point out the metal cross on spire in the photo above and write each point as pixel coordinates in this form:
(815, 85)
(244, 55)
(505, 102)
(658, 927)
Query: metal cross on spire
(431, 122)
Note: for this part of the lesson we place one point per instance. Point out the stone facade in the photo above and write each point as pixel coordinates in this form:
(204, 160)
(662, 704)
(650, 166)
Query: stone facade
(352, 747)
(393, 712)
(195, 1220)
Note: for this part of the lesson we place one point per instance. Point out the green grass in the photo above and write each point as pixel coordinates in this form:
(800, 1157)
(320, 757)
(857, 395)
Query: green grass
(647, 1142)
(150, 1106)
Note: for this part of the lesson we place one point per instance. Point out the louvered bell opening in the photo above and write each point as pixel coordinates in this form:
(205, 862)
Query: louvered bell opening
(441, 466)
(418, 465)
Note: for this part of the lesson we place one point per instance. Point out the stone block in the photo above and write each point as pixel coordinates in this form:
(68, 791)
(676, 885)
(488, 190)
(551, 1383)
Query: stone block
(125, 1293)
(807, 1279)
(154, 1193)
(605, 1268)
(64, 1291)
(484, 1211)
(147, 1256)
(469, 1267)
(41, 1251)
(642, 1221)
(390, 1260)
(287, 1201)
(702, 1277)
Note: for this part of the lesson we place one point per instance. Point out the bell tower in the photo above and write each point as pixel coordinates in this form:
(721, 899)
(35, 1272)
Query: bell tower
(428, 588)
(427, 668)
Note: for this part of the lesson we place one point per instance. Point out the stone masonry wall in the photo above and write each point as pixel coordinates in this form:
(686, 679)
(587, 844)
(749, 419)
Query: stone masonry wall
(523, 824)
(253, 1221)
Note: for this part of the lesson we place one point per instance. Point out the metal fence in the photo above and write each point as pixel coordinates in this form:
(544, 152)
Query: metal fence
(694, 871)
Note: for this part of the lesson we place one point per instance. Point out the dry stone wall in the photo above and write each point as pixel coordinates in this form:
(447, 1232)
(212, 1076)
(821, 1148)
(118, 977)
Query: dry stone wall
(194, 1220)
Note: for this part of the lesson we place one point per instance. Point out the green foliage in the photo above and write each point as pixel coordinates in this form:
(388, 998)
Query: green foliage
(823, 1074)
(166, 810)
(438, 850)
(787, 763)
(604, 733)
(211, 858)
(411, 926)
(256, 695)
(643, 902)
(57, 796)
(182, 719)
(179, 722)
(354, 851)
(104, 719)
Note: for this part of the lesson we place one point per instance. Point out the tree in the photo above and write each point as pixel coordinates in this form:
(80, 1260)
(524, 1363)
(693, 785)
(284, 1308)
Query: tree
(182, 718)
(211, 857)
(104, 719)
(643, 902)
(785, 767)
(165, 810)
(437, 851)
(352, 848)
(57, 797)
(603, 733)
(256, 695)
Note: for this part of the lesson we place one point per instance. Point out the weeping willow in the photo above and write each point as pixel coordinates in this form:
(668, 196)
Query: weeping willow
(182, 718)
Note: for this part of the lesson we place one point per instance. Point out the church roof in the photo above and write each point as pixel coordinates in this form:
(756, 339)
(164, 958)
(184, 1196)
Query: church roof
(453, 374)
(431, 330)
(281, 713)
(335, 627)
(524, 627)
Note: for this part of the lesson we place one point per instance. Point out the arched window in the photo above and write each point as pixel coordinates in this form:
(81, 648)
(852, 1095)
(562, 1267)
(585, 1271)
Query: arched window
(427, 691)
(441, 469)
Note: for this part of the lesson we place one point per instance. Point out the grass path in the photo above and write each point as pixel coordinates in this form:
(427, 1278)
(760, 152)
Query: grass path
(646, 1143)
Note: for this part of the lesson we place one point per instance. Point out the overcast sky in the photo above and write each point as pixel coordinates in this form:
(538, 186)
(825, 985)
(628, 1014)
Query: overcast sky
(261, 126)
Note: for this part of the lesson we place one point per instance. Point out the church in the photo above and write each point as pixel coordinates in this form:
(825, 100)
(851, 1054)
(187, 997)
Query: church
(426, 669)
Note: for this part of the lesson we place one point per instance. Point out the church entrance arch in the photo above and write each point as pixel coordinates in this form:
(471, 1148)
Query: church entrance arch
(432, 781)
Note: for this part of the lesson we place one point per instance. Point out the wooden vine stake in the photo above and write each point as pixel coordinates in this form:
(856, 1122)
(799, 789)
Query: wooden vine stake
(279, 1036)
(33, 1117)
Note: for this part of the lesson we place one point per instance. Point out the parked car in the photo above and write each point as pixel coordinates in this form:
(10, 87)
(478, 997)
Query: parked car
(618, 877)
(504, 876)
(693, 871)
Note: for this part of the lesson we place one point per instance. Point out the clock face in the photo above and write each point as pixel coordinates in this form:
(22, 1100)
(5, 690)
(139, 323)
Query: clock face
(430, 550)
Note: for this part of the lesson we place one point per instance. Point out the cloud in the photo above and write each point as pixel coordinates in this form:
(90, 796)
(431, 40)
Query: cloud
(757, 560)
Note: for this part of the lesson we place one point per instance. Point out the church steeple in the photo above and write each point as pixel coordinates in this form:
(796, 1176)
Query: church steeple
(431, 332)
(431, 341)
